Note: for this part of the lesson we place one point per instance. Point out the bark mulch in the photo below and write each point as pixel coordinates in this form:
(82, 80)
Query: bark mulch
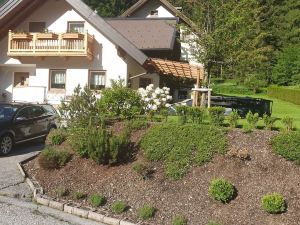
(265, 172)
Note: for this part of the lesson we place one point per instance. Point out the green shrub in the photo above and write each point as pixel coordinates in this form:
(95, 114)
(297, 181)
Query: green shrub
(119, 207)
(221, 190)
(142, 169)
(288, 123)
(196, 114)
(62, 191)
(51, 158)
(213, 223)
(182, 112)
(288, 146)
(190, 144)
(164, 112)
(79, 195)
(233, 118)
(273, 203)
(232, 89)
(217, 115)
(57, 136)
(285, 94)
(269, 121)
(146, 212)
(179, 220)
(252, 120)
(97, 200)
(138, 124)
(120, 101)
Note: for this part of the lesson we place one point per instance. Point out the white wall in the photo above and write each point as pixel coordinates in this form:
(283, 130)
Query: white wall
(56, 14)
(145, 10)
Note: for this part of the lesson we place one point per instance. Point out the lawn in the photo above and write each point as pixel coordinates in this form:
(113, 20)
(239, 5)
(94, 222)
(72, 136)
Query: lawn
(280, 108)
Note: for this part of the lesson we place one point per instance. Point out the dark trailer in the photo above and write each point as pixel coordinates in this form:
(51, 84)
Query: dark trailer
(244, 104)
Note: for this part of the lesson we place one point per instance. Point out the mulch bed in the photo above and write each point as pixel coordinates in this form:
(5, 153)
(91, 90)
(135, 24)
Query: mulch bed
(264, 173)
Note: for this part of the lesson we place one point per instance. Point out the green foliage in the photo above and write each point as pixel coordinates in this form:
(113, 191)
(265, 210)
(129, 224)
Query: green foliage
(287, 69)
(142, 168)
(51, 158)
(269, 121)
(138, 124)
(62, 191)
(97, 200)
(179, 220)
(252, 120)
(146, 212)
(233, 118)
(217, 116)
(57, 136)
(288, 146)
(119, 207)
(288, 123)
(182, 112)
(79, 195)
(196, 114)
(81, 109)
(120, 101)
(221, 190)
(164, 112)
(232, 89)
(213, 223)
(190, 144)
(255, 82)
(284, 93)
(273, 203)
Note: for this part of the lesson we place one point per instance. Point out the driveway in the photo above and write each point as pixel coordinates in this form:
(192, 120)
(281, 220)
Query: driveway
(15, 196)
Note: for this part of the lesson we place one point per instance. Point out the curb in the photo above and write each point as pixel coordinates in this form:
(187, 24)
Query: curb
(40, 198)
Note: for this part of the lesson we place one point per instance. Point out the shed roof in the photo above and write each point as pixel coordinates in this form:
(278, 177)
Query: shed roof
(178, 69)
(12, 12)
(147, 34)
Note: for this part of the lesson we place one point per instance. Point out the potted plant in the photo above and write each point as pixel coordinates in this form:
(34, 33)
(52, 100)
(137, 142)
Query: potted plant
(47, 35)
(21, 35)
(72, 34)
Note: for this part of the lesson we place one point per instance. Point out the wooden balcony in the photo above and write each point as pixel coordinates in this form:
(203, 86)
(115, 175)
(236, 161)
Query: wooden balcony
(50, 44)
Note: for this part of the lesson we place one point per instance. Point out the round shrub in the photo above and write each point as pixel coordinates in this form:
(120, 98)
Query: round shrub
(97, 200)
(221, 190)
(179, 220)
(53, 159)
(273, 203)
(146, 212)
(118, 207)
(57, 136)
(78, 195)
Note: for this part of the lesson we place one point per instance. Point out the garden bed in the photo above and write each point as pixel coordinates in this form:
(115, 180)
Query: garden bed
(264, 173)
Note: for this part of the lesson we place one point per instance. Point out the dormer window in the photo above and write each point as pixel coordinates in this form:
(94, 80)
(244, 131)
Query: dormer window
(37, 27)
(154, 12)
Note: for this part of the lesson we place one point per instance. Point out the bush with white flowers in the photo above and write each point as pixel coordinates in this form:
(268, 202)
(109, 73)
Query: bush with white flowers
(155, 99)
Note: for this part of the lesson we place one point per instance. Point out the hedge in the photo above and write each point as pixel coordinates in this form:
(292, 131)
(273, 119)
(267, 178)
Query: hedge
(286, 94)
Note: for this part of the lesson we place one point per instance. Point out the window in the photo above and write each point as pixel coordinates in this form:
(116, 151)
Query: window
(154, 12)
(36, 27)
(97, 80)
(144, 82)
(57, 79)
(36, 111)
(21, 79)
(182, 94)
(76, 27)
(24, 113)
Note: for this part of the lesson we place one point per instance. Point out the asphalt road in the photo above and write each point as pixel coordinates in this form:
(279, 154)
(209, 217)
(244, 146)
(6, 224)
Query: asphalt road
(16, 207)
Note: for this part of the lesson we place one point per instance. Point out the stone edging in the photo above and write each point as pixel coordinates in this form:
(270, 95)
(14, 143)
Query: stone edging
(38, 196)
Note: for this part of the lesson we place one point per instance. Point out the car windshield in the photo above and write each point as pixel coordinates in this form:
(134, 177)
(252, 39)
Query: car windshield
(7, 112)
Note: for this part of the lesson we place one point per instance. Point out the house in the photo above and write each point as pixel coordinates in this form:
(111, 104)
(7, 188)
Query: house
(50, 47)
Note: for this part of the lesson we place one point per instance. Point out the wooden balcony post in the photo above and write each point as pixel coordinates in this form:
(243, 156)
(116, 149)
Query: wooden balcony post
(86, 42)
(59, 42)
(9, 41)
(34, 38)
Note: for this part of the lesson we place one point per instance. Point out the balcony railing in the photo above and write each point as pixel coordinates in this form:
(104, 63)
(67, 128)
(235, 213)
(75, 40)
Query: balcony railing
(50, 44)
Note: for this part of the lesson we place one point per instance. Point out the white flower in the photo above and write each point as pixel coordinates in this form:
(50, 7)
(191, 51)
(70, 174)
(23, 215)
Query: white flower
(154, 95)
(157, 91)
(154, 107)
(147, 99)
(164, 99)
(169, 97)
(168, 105)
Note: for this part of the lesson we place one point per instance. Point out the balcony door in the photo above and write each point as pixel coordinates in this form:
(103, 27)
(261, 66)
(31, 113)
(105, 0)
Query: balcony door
(21, 79)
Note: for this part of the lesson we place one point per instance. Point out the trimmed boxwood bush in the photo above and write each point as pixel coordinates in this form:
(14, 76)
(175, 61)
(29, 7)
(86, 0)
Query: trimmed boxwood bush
(119, 207)
(286, 94)
(288, 146)
(146, 212)
(51, 158)
(57, 136)
(273, 203)
(179, 220)
(97, 200)
(221, 190)
(181, 146)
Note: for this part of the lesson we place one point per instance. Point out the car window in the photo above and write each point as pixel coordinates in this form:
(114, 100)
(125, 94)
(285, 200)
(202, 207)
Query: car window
(24, 113)
(49, 109)
(36, 111)
(7, 112)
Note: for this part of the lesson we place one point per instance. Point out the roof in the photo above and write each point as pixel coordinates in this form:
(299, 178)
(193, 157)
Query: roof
(167, 4)
(147, 34)
(178, 69)
(13, 12)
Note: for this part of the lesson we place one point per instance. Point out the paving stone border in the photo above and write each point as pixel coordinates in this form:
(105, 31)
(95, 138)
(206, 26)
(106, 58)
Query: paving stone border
(40, 198)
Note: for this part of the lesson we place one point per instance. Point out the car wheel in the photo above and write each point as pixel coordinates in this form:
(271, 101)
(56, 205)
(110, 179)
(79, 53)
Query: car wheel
(6, 144)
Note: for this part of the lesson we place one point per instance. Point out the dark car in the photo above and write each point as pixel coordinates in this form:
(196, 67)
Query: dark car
(22, 122)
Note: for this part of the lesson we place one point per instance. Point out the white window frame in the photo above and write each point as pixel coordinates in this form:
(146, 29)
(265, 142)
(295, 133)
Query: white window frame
(94, 72)
(75, 22)
(50, 79)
